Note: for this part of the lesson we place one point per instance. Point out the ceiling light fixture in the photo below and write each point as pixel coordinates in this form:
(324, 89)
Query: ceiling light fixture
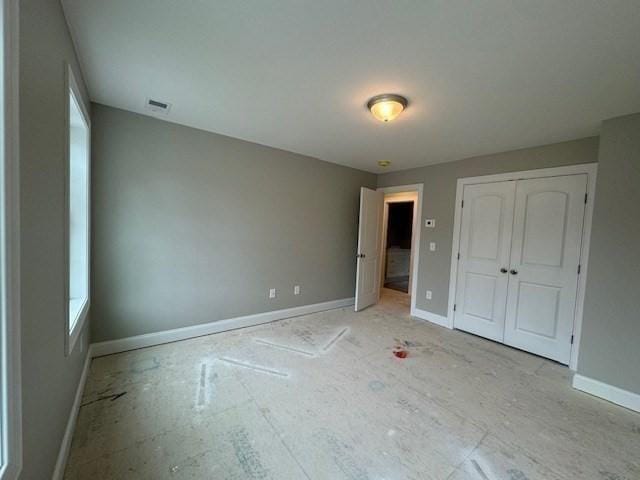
(387, 106)
(384, 163)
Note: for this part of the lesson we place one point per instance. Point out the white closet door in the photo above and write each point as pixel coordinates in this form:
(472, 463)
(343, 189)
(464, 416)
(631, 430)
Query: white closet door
(369, 247)
(545, 253)
(485, 241)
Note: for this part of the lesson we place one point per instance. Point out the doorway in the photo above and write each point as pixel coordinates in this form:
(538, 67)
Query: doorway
(397, 241)
(388, 244)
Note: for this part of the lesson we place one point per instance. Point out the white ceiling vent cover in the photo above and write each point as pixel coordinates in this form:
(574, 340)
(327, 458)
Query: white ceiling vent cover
(157, 106)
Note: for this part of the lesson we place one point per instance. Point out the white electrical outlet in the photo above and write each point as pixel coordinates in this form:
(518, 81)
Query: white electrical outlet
(296, 290)
(272, 293)
(429, 294)
(432, 246)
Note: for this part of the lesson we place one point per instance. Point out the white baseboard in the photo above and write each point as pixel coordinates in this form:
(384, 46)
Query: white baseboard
(166, 336)
(613, 394)
(65, 446)
(431, 317)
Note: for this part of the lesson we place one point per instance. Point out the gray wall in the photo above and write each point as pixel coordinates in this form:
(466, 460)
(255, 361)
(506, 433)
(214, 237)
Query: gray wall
(439, 203)
(192, 227)
(49, 378)
(610, 345)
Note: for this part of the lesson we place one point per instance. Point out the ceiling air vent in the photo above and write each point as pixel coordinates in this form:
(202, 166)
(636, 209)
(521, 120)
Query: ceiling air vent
(157, 106)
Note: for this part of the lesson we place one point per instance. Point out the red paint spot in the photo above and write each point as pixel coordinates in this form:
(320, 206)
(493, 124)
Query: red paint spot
(401, 353)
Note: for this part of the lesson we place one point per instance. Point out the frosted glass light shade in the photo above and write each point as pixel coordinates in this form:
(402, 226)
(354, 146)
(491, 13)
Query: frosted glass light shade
(387, 107)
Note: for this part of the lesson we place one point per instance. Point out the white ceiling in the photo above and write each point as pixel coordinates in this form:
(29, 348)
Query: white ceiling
(480, 76)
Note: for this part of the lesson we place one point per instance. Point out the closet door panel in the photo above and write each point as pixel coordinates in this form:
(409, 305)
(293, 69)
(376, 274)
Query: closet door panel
(545, 252)
(485, 241)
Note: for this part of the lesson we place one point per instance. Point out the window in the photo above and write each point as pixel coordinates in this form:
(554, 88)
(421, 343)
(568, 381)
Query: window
(78, 213)
(10, 418)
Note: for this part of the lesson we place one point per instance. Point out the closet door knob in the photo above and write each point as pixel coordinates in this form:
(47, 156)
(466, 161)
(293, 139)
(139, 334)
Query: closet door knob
(513, 272)
(503, 270)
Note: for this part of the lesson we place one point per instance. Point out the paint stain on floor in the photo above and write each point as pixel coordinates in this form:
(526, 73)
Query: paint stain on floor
(145, 365)
(515, 474)
(401, 353)
(376, 385)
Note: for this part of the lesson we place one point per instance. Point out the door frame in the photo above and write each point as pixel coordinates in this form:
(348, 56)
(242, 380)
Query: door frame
(401, 197)
(591, 170)
(415, 235)
(10, 320)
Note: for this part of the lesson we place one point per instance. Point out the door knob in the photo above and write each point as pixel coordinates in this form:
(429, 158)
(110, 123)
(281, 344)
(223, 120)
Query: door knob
(503, 270)
(513, 272)
(360, 255)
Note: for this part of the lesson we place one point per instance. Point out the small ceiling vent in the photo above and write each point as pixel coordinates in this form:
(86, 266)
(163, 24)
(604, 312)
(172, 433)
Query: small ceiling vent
(158, 107)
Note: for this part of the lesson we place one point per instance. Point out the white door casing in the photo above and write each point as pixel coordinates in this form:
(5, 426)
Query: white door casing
(407, 191)
(369, 248)
(545, 255)
(407, 196)
(520, 245)
(591, 172)
(485, 242)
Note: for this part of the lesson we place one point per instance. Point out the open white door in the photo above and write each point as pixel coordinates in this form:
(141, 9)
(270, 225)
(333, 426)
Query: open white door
(369, 245)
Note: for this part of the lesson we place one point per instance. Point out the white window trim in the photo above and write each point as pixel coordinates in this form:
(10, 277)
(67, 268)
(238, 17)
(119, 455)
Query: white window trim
(10, 244)
(71, 336)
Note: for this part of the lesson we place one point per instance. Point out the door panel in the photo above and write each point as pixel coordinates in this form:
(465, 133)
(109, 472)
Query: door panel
(538, 309)
(480, 292)
(545, 228)
(485, 241)
(369, 246)
(545, 253)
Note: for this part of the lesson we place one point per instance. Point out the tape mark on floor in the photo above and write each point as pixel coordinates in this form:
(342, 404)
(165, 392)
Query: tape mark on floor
(112, 398)
(285, 347)
(254, 367)
(202, 387)
(335, 339)
(479, 470)
(247, 455)
(205, 384)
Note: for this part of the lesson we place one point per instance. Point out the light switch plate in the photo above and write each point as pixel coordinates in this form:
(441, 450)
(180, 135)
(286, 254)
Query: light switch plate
(432, 246)
(430, 223)
(272, 293)
(429, 295)
(296, 290)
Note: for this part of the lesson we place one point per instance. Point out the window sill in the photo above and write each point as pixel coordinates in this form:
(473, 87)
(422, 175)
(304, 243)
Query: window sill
(10, 471)
(78, 310)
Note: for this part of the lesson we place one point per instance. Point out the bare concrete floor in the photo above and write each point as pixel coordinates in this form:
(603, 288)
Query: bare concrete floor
(323, 397)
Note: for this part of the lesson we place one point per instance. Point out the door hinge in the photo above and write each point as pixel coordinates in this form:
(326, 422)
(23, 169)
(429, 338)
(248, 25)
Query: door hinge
(579, 269)
(454, 307)
(586, 195)
(571, 339)
(458, 255)
(462, 204)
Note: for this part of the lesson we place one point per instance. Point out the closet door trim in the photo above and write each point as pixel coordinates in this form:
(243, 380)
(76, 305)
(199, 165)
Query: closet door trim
(590, 169)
